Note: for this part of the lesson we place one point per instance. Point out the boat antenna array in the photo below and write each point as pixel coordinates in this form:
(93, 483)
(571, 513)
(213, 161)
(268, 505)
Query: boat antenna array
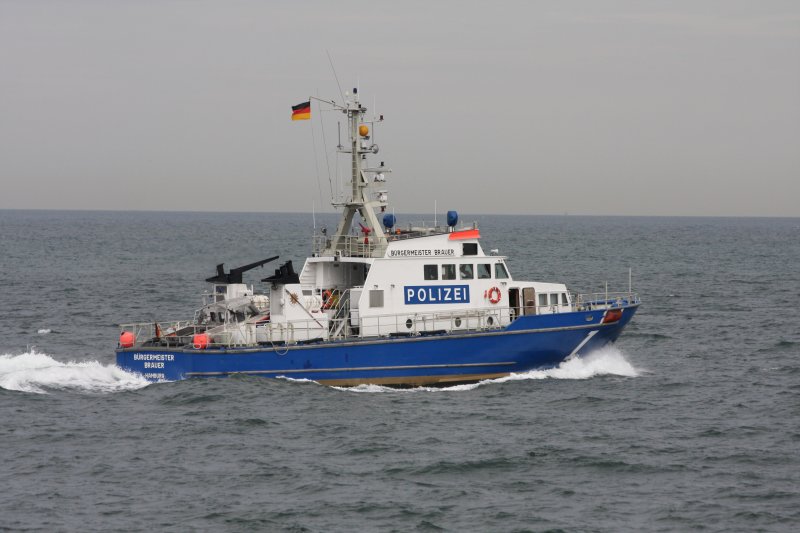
(364, 198)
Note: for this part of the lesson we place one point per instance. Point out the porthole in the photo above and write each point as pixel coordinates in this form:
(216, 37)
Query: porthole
(490, 321)
(458, 322)
(409, 323)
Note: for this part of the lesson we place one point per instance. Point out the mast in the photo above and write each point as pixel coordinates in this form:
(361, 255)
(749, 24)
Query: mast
(371, 240)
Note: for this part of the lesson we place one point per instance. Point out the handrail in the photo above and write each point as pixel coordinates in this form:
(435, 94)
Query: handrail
(350, 246)
(340, 324)
(604, 300)
(365, 246)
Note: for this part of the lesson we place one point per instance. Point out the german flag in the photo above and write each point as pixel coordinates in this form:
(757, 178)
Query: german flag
(301, 111)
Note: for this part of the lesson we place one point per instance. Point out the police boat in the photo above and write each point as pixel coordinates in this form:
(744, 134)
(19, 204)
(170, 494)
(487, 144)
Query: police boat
(378, 303)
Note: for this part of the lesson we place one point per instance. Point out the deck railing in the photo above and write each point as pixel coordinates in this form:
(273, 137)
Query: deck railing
(343, 325)
(604, 300)
(163, 333)
(365, 246)
(349, 246)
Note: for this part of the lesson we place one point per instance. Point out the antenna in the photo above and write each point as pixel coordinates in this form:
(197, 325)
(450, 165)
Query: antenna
(374, 117)
(334, 75)
(434, 213)
(325, 151)
(316, 158)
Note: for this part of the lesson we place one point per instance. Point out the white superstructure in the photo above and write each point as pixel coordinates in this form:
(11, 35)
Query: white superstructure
(372, 277)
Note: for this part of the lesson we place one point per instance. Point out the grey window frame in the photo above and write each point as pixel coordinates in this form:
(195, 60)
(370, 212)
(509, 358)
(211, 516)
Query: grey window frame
(426, 269)
(497, 268)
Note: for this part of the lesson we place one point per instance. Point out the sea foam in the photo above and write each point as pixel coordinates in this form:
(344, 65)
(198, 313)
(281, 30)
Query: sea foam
(37, 372)
(607, 361)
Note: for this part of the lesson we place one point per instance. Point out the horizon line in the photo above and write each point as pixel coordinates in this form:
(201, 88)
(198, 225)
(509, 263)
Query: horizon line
(188, 211)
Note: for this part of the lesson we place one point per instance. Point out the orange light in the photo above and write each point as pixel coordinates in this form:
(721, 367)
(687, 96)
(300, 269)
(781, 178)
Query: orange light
(363, 130)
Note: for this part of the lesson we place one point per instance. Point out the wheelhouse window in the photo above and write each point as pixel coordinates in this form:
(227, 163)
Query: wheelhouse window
(431, 272)
(542, 300)
(500, 271)
(448, 272)
(554, 299)
(564, 300)
(484, 271)
(466, 271)
(469, 248)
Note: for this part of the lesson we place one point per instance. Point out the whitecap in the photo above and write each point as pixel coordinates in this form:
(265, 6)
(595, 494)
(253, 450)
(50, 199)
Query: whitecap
(37, 372)
(44, 331)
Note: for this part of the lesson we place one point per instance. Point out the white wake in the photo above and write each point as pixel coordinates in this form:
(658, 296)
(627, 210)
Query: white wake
(607, 361)
(37, 372)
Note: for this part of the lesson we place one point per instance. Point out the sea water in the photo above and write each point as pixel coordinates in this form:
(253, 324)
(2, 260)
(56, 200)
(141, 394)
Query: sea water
(691, 421)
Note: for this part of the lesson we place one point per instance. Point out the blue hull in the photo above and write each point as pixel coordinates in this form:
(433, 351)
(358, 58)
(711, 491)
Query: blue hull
(528, 343)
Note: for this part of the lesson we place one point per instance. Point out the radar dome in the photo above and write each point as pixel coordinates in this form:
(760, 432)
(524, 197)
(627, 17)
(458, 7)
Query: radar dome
(452, 218)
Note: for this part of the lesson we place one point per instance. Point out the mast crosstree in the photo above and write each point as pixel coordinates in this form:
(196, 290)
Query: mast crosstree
(360, 201)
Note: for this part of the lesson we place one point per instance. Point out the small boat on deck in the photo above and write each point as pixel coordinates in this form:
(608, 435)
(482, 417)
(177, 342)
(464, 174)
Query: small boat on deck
(378, 302)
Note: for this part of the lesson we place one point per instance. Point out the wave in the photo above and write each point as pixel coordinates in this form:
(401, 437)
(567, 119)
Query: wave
(37, 373)
(607, 361)
(44, 331)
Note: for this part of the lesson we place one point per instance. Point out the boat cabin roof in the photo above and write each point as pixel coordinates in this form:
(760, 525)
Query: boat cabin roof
(453, 244)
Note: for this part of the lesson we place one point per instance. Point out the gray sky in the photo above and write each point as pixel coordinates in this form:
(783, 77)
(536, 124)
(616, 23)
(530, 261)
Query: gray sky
(629, 108)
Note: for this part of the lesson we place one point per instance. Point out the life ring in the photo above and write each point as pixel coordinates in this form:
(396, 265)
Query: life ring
(494, 295)
(327, 299)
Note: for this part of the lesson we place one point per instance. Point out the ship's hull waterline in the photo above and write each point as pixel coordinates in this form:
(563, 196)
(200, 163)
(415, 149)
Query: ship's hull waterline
(529, 343)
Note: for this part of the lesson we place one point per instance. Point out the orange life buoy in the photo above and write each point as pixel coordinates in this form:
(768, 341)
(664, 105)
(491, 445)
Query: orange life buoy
(494, 295)
(200, 341)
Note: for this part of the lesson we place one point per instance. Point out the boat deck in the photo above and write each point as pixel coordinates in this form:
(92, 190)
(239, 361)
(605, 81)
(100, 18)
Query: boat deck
(253, 333)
